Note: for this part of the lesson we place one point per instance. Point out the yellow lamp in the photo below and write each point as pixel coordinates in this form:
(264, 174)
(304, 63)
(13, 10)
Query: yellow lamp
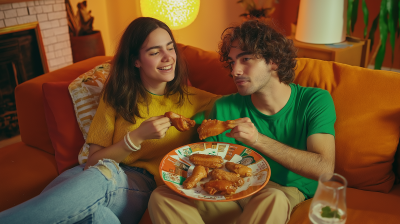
(177, 14)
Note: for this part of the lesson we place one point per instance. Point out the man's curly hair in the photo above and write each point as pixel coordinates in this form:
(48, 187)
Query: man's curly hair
(263, 41)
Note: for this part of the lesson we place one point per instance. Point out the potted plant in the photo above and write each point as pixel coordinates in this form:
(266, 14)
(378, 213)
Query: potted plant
(261, 10)
(85, 42)
(387, 21)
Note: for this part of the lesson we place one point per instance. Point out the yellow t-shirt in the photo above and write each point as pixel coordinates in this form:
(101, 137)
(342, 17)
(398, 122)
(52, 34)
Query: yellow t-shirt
(108, 128)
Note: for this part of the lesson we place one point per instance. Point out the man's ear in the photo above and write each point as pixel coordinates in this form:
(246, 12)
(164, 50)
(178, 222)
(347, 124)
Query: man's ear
(274, 66)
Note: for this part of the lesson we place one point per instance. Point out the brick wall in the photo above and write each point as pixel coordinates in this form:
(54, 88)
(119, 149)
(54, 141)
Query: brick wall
(53, 23)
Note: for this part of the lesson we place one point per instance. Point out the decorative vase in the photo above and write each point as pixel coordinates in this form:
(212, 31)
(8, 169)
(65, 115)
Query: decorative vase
(87, 46)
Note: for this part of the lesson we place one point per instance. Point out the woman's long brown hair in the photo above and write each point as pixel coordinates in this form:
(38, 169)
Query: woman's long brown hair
(124, 90)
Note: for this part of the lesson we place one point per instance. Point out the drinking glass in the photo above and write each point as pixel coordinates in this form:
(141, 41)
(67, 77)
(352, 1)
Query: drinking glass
(329, 203)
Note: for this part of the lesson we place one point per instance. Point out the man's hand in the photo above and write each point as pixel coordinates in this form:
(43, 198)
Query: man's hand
(311, 163)
(245, 132)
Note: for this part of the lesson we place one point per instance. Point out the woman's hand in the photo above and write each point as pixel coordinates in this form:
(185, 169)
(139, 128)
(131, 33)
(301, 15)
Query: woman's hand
(245, 132)
(152, 128)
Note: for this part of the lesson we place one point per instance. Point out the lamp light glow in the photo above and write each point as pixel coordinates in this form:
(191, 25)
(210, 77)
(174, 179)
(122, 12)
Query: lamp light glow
(322, 21)
(177, 14)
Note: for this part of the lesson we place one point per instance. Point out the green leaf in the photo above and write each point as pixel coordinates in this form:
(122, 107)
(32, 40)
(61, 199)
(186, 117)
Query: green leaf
(371, 35)
(366, 15)
(383, 33)
(349, 12)
(392, 23)
(328, 213)
(354, 15)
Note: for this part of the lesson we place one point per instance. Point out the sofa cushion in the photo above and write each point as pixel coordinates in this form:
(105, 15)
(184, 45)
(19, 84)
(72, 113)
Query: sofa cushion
(29, 100)
(213, 77)
(25, 171)
(396, 164)
(367, 105)
(363, 207)
(64, 132)
(85, 92)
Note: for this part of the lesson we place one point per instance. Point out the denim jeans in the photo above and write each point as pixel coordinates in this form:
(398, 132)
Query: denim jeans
(104, 193)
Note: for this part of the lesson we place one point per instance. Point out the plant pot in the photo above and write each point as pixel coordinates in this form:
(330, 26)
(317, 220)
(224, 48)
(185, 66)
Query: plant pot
(87, 46)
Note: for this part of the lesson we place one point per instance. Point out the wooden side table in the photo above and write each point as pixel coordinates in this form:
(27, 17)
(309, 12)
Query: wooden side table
(353, 51)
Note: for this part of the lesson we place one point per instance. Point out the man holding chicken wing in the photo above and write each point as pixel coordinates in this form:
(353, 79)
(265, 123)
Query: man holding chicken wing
(290, 125)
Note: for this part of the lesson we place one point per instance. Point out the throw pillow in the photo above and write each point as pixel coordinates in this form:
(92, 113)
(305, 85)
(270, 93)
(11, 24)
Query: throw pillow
(368, 122)
(85, 92)
(63, 128)
(200, 75)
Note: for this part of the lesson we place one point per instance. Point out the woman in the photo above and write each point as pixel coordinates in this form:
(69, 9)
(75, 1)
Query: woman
(128, 136)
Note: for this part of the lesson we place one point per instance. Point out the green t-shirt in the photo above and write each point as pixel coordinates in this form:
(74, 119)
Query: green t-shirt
(308, 111)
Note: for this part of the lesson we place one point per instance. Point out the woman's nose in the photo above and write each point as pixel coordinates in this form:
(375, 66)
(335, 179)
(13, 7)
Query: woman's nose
(167, 56)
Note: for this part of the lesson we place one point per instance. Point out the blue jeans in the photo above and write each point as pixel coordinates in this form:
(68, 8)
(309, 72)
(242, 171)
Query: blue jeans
(104, 193)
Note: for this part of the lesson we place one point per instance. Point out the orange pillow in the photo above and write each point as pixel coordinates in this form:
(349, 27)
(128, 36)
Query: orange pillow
(64, 132)
(367, 128)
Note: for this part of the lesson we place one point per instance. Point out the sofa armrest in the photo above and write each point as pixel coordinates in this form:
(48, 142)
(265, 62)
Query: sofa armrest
(29, 101)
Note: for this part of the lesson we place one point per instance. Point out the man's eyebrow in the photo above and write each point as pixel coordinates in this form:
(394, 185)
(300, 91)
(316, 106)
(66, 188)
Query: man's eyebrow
(241, 54)
(156, 47)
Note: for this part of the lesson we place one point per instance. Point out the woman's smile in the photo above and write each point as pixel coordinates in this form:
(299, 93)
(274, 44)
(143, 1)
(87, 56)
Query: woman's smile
(167, 68)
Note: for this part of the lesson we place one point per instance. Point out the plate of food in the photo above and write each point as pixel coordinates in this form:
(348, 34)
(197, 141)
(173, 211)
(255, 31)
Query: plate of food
(214, 171)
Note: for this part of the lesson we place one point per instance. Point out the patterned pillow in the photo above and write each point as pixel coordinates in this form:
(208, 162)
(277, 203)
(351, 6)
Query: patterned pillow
(85, 92)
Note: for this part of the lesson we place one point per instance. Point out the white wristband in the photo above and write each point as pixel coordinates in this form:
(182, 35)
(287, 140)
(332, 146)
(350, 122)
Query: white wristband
(130, 144)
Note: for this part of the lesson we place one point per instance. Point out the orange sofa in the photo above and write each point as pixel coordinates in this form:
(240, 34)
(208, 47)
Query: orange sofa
(367, 132)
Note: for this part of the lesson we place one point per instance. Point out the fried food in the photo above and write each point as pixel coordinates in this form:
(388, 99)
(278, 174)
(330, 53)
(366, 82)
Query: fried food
(214, 127)
(218, 174)
(180, 122)
(225, 187)
(243, 171)
(206, 160)
(199, 172)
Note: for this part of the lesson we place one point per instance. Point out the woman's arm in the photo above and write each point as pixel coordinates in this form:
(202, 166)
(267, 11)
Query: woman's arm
(152, 128)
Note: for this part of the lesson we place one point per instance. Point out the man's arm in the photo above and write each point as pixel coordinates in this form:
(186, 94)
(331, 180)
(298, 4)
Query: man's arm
(318, 159)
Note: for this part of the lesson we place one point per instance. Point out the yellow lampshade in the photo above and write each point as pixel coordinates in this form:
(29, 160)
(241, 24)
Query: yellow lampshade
(177, 14)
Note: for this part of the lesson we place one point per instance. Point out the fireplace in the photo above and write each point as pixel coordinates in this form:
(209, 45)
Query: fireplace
(21, 20)
(22, 57)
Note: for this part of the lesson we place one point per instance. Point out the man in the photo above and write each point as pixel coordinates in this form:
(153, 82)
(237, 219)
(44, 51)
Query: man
(290, 125)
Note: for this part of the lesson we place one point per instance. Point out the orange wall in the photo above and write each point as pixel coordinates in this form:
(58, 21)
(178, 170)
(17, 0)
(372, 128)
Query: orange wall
(214, 16)
(113, 16)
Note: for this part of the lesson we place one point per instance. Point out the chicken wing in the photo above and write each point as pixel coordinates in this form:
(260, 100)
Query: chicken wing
(243, 171)
(180, 122)
(206, 160)
(199, 172)
(214, 127)
(223, 186)
(218, 174)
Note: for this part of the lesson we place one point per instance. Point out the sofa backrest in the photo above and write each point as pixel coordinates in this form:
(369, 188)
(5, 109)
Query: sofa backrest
(366, 101)
(367, 105)
(29, 101)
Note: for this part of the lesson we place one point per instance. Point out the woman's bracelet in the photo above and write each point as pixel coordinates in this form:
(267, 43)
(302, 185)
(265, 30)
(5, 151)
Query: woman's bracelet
(130, 144)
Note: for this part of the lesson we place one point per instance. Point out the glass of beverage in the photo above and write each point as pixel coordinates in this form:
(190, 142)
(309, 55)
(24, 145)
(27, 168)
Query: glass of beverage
(329, 203)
